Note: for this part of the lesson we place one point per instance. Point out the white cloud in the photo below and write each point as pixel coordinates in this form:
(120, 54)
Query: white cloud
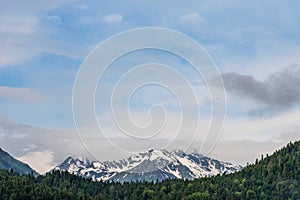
(192, 17)
(30, 147)
(18, 24)
(31, 5)
(21, 94)
(113, 18)
(21, 32)
(81, 6)
(16, 32)
(41, 161)
(260, 129)
(244, 151)
(13, 51)
(18, 136)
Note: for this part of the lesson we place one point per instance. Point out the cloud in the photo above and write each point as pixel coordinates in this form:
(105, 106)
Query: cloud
(192, 17)
(22, 35)
(20, 94)
(18, 136)
(291, 135)
(261, 129)
(113, 18)
(42, 149)
(278, 92)
(244, 151)
(30, 147)
(16, 32)
(31, 5)
(41, 161)
(18, 24)
(81, 6)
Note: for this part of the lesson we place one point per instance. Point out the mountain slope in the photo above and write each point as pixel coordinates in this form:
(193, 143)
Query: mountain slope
(150, 165)
(8, 162)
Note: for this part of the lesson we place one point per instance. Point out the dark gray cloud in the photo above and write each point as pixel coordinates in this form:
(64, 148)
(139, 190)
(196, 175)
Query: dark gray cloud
(280, 91)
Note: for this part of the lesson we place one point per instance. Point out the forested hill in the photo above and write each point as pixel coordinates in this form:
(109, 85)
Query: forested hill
(272, 177)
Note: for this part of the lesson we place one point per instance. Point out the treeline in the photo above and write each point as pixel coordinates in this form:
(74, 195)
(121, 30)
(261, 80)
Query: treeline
(271, 177)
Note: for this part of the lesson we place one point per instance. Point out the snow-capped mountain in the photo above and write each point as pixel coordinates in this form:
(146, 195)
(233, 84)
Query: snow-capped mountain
(149, 165)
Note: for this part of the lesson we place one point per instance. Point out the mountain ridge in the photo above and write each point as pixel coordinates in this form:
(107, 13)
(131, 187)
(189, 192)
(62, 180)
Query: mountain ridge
(9, 162)
(149, 165)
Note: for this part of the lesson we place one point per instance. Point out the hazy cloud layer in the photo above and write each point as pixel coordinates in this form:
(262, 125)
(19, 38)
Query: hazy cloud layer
(43, 148)
(279, 91)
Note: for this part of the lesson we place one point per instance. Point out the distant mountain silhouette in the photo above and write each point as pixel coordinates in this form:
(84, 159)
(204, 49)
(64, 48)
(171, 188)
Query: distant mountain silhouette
(8, 162)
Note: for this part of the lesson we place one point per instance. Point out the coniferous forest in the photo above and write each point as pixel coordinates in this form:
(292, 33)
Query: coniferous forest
(272, 177)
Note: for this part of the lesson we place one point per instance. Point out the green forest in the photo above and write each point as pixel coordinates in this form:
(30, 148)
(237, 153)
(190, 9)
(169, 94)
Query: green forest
(270, 177)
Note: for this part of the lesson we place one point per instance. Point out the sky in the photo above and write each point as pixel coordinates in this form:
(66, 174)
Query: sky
(254, 45)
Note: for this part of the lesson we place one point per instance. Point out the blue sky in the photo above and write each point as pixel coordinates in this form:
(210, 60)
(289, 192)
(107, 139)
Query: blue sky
(255, 45)
(45, 45)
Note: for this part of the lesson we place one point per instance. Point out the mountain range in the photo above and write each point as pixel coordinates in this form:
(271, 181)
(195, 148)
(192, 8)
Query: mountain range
(149, 165)
(8, 162)
(275, 176)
